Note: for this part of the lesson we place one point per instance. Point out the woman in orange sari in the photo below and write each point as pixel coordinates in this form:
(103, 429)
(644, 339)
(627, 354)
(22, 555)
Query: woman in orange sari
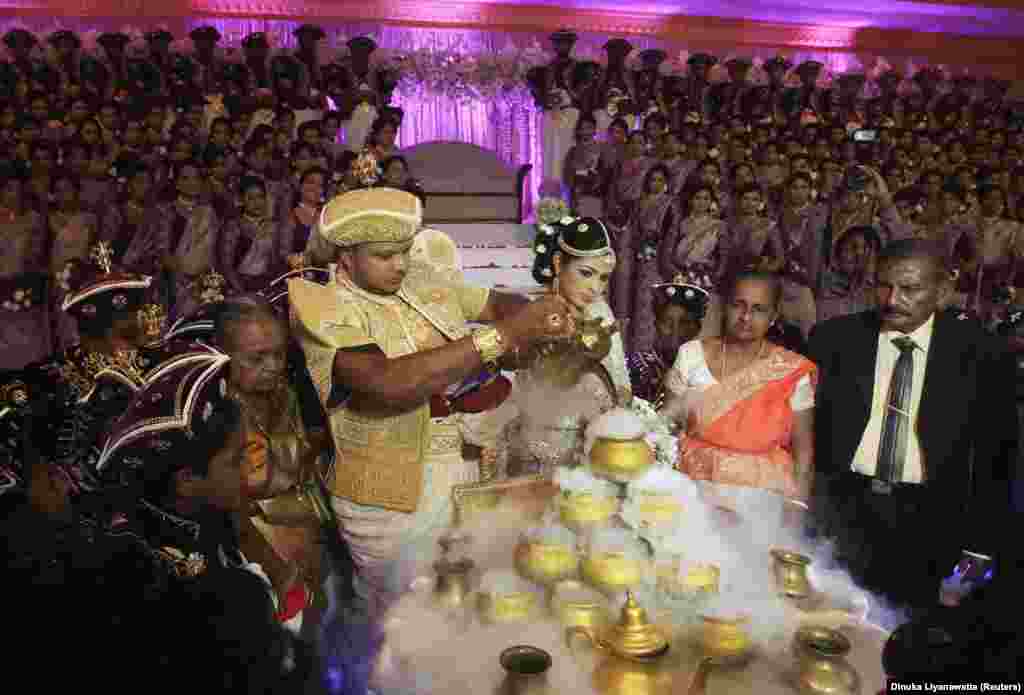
(746, 407)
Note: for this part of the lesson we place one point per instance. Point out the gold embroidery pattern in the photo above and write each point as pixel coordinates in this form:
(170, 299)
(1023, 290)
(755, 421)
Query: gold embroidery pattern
(129, 365)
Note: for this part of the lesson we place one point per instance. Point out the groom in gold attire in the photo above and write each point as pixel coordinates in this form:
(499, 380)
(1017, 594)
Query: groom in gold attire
(381, 343)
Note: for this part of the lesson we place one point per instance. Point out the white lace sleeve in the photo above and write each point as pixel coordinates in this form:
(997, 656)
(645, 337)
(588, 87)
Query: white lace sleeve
(803, 395)
(689, 361)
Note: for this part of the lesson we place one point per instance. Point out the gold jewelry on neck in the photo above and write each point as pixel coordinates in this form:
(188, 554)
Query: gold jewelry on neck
(760, 350)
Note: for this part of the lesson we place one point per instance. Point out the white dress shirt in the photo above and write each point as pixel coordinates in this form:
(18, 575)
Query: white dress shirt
(865, 460)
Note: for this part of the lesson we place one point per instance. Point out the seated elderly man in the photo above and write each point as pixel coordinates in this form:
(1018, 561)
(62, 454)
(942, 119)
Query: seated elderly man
(383, 343)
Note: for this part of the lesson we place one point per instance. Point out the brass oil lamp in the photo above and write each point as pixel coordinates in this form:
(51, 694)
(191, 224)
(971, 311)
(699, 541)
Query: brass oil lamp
(633, 649)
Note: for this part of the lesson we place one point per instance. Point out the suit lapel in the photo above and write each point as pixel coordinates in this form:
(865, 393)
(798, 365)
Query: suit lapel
(943, 366)
(862, 354)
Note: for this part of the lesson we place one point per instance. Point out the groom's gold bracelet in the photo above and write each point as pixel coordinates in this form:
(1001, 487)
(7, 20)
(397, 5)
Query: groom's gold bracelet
(490, 344)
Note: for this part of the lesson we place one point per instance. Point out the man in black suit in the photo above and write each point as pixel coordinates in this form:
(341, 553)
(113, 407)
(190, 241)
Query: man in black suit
(916, 431)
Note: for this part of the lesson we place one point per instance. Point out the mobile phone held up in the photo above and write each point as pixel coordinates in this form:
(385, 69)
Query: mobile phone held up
(865, 135)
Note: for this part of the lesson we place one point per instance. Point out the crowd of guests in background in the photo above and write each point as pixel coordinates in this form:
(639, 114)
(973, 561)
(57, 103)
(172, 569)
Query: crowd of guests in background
(147, 183)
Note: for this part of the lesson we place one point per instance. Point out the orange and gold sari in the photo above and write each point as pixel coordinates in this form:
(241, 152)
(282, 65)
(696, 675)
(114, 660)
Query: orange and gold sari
(739, 433)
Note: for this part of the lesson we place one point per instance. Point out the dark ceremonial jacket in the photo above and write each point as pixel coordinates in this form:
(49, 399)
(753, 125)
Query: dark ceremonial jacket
(967, 421)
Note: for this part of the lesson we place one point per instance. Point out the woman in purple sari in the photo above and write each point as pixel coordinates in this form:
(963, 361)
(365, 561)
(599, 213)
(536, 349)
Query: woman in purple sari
(73, 232)
(801, 225)
(582, 174)
(753, 240)
(301, 220)
(188, 241)
(249, 244)
(627, 184)
(692, 246)
(131, 225)
(24, 322)
(637, 250)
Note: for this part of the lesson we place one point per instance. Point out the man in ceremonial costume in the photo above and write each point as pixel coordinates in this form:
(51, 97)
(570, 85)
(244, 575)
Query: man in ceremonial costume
(807, 97)
(726, 99)
(698, 83)
(309, 37)
(91, 383)
(367, 90)
(552, 90)
(382, 344)
(205, 40)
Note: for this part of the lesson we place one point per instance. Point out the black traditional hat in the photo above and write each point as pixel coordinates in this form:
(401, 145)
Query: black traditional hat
(702, 59)
(928, 73)
(312, 30)
(65, 35)
(128, 166)
(17, 36)
(236, 73)
(582, 237)
(285, 67)
(257, 39)
(93, 70)
(777, 63)
(852, 79)
(159, 36)
(809, 67)
(113, 40)
(890, 77)
(183, 414)
(205, 33)
(98, 290)
(651, 58)
(619, 48)
(362, 44)
(690, 289)
(563, 35)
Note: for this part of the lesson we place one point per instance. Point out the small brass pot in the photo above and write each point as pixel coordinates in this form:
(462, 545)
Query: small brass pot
(622, 460)
(583, 509)
(612, 573)
(725, 639)
(577, 605)
(546, 563)
(526, 671)
(791, 573)
(821, 665)
(453, 582)
(507, 608)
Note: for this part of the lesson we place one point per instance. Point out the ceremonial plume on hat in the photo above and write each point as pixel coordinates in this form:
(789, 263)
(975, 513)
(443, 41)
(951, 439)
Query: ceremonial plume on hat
(371, 215)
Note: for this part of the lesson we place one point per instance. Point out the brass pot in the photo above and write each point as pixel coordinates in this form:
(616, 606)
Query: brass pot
(725, 639)
(791, 573)
(453, 582)
(515, 607)
(821, 665)
(657, 508)
(611, 572)
(546, 563)
(583, 509)
(526, 671)
(577, 605)
(621, 460)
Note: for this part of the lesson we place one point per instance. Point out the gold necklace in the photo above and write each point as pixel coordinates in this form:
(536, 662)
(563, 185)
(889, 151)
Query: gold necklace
(760, 350)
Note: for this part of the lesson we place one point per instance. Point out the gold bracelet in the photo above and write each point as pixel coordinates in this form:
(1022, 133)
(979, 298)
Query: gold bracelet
(490, 344)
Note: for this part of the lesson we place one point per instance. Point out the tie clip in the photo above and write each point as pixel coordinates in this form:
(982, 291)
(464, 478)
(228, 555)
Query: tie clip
(881, 487)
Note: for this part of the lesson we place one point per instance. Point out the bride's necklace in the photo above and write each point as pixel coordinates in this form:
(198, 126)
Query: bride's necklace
(760, 351)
